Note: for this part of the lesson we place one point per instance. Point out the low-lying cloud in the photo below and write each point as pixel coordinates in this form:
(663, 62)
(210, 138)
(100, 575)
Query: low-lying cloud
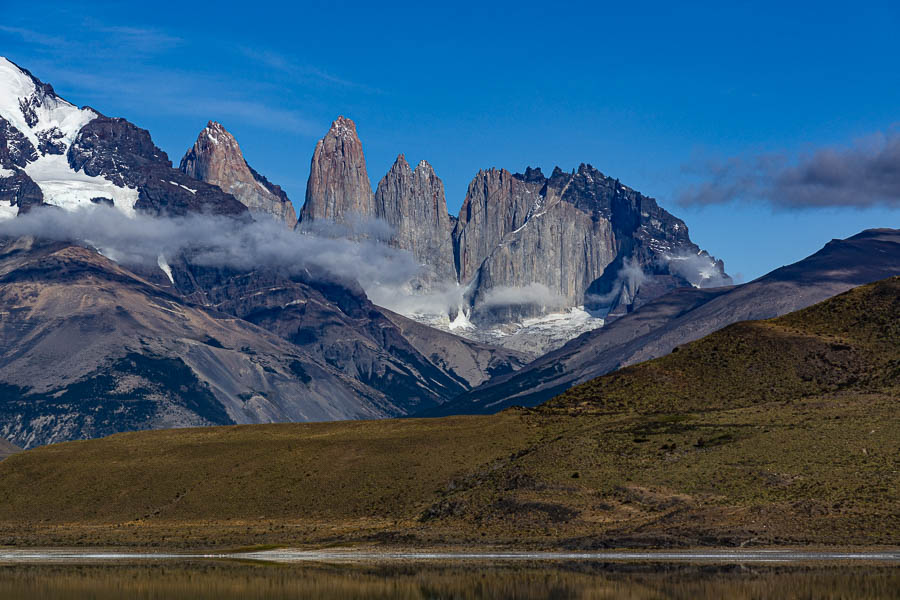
(699, 269)
(629, 278)
(864, 175)
(533, 294)
(216, 241)
(441, 300)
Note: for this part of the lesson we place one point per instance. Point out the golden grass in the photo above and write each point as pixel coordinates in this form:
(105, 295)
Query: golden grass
(779, 432)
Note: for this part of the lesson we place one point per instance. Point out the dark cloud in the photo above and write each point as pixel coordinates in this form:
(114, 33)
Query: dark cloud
(864, 175)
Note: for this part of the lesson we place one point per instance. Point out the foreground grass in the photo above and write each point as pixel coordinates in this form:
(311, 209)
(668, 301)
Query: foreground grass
(819, 471)
(776, 432)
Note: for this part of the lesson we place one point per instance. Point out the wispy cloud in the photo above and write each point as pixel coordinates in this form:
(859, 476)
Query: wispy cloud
(862, 175)
(220, 241)
(30, 36)
(102, 40)
(284, 64)
(136, 39)
(100, 60)
(261, 114)
(179, 93)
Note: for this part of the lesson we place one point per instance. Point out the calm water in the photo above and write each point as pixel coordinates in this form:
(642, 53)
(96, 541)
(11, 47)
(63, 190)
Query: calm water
(221, 580)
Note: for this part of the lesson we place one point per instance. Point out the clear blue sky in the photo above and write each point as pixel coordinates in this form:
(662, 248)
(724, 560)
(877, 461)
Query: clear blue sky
(638, 89)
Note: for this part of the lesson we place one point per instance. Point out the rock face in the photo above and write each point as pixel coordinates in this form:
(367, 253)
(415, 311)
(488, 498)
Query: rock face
(124, 154)
(412, 202)
(216, 158)
(524, 246)
(572, 239)
(338, 190)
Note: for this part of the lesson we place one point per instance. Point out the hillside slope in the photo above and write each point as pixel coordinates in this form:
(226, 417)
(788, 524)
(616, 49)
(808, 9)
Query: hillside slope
(91, 348)
(685, 315)
(775, 432)
(850, 342)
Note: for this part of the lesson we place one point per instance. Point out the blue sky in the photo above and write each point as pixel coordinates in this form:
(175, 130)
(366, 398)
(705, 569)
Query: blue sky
(651, 93)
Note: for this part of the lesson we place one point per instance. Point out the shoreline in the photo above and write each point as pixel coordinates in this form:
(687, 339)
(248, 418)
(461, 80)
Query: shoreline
(13, 556)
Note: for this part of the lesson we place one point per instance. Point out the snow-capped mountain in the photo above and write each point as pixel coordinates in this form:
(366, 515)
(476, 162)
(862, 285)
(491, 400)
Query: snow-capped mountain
(93, 342)
(39, 127)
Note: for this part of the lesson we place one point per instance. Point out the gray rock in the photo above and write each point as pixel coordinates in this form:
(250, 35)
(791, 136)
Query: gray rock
(527, 244)
(412, 203)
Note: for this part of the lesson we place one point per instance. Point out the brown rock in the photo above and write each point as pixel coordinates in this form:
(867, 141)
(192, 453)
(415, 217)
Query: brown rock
(216, 158)
(338, 190)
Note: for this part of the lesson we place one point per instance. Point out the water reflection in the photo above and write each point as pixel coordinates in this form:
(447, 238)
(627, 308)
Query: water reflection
(230, 580)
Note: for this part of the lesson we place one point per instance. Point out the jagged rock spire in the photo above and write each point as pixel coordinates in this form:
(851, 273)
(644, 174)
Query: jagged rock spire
(338, 189)
(412, 202)
(216, 158)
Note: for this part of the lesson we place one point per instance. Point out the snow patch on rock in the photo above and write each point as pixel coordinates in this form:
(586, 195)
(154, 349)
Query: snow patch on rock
(64, 187)
(7, 211)
(17, 89)
(164, 265)
(41, 115)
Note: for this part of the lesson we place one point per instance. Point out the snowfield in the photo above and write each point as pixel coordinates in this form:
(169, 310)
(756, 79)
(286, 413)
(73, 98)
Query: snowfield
(21, 102)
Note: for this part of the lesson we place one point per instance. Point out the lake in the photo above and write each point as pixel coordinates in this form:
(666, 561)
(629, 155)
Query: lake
(523, 580)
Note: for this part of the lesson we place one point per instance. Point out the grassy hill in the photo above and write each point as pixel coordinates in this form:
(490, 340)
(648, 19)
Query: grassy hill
(850, 342)
(774, 432)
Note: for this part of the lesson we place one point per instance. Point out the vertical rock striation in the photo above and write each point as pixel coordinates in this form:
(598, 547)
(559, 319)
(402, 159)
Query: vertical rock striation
(216, 158)
(524, 244)
(412, 202)
(338, 190)
(527, 244)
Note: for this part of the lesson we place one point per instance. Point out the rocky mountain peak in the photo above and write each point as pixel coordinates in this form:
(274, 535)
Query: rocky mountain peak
(35, 112)
(577, 238)
(342, 127)
(338, 190)
(424, 169)
(401, 164)
(413, 204)
(216, 158)
(533, 175)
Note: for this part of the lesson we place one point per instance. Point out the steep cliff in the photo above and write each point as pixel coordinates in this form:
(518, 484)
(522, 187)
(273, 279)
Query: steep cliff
(338, 190)
(412, 203)
(527, 244)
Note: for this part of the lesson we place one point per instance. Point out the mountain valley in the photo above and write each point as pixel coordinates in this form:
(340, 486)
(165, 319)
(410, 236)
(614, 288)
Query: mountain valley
(136, 295)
